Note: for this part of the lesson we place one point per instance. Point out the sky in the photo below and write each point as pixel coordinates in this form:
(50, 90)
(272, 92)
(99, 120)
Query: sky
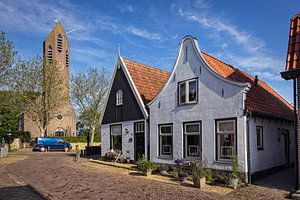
(249, 35)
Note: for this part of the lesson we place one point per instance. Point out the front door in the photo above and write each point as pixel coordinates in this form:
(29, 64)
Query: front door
(286, 140)
(139, 140)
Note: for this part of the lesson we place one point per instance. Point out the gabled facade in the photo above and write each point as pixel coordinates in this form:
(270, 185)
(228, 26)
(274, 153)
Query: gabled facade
(124, 125)
(209, 110)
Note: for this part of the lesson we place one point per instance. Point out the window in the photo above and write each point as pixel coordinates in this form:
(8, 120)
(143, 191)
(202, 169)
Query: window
(165, 140)
(116, 137)
(259, 138)
(187, 92)
(67, 58)
(49, 54)
(119, 98)
(139, 127)
(226, 139)
(192, 139)
(59, 43)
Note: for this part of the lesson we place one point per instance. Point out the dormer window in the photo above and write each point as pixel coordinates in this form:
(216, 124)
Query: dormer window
(67, 58)
(59, 43)
(119, 98)
(49, 54)
(187, 92)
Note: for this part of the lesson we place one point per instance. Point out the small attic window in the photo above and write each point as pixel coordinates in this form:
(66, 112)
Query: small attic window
(119, 98)
(59, 43)
(67, 58)
(49, 54)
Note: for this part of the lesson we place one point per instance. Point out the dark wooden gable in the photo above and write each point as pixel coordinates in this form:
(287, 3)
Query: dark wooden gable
(130, 109)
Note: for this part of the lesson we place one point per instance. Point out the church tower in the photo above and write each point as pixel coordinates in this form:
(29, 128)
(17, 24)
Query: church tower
(56, 50)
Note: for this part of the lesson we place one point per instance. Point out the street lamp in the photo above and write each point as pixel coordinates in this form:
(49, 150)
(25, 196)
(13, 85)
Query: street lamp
(8, 138)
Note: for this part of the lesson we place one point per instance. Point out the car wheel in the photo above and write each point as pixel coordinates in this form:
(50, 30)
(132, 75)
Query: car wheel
(43, 149)
(66, 149)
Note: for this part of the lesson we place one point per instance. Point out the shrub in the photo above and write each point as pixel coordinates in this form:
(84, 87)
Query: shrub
(235, 167)
(197, 170)
(145, 165)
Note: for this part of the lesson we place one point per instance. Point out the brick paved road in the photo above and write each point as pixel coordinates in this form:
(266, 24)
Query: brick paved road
(55, 176)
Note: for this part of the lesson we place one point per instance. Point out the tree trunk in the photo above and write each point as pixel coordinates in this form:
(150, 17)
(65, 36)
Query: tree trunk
(43, 131)
(93, 130)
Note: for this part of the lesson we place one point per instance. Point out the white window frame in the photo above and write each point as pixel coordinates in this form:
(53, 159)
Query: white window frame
(115, 134)
(192, 133)
(119, 97)
(161, 147)
(261, 146)
(231, 132)
(139, 127)
(187, 92)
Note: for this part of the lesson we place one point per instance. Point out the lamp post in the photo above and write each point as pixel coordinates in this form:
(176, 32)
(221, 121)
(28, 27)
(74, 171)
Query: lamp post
(8, 138)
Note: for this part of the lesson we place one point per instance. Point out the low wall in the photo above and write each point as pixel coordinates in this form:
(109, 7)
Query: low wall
(3, 152)
(82, 145)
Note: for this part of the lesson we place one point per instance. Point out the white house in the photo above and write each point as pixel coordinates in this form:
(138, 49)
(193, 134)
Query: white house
(204, 109)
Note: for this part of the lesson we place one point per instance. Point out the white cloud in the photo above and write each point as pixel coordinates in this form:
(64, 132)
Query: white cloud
(143, 33)
(126, 8)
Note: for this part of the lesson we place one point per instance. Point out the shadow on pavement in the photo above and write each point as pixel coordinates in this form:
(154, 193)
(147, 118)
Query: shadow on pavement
(20, 192)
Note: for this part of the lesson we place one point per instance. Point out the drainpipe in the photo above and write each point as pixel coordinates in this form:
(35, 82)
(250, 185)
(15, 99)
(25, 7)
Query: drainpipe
(296, 92)
(248, 150)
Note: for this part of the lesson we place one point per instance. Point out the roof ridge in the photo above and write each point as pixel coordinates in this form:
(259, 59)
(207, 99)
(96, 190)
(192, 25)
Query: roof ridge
(146, 65)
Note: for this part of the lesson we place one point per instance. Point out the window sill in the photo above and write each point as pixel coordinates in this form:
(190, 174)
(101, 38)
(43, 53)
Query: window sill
(222, 162)
(186, 104)
(165, 157)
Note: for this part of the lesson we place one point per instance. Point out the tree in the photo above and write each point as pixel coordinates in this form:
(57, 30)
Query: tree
(88, 92)
(7, 59)
(40, 88)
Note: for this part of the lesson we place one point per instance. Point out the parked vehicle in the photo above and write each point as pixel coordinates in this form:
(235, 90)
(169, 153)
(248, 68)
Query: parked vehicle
(49, 144)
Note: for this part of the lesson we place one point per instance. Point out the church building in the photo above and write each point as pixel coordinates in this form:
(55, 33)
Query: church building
(56, 49)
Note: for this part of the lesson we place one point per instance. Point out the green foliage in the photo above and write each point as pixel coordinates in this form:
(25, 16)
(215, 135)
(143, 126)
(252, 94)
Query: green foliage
(145, 165)
(7, 59)
(235, 167)
(209, 176)
(197, 170)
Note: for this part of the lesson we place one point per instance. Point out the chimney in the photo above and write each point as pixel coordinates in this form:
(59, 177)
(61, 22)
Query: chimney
(255, 80)
(293, 53)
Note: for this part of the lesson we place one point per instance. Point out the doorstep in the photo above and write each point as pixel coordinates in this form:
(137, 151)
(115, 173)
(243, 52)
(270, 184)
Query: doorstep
(113, 164)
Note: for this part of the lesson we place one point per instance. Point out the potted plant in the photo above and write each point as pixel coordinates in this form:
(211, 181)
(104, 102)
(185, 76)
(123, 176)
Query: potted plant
(234, 176)
(145, 166)
(182, 175)
(198, 174)
(163, 169)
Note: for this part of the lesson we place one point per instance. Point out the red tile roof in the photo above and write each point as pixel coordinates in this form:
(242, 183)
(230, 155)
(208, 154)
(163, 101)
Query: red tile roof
(261, 98)
(148, 80)
(293, 54)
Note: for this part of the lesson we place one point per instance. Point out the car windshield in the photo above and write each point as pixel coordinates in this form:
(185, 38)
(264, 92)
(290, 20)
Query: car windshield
(61, 141)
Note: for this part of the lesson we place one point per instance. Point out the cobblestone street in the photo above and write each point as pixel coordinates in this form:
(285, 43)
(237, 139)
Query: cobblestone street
(55, 176)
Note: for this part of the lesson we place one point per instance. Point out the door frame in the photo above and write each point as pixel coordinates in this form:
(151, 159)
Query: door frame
(135, 144)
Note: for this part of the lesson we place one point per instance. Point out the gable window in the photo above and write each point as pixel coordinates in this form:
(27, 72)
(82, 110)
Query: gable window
(226, 139)
(59, 43)
(187, 92)
(49, 54)
(116, 137)
(119, 98)
(166, 140)
(192, 139)
(259, 138)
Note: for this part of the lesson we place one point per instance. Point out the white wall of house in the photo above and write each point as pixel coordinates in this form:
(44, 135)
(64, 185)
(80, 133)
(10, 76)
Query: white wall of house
(211, 106)
(273, 152)
(127, 138)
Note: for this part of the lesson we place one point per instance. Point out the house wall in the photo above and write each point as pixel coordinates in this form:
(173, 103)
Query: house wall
(273, 154)
(127, 138)
(211, 106)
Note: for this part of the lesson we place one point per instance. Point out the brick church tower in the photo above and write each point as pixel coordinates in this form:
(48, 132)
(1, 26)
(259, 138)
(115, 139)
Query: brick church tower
(56, 50)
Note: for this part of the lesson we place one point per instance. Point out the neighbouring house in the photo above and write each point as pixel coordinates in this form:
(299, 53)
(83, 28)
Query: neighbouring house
(55, 49)
(204, 109)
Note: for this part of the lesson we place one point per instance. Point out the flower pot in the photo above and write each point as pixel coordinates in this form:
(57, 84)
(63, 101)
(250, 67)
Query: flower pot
(183, 177)
(233, 182)
(199, 182)
(148, 173)
(163, 172)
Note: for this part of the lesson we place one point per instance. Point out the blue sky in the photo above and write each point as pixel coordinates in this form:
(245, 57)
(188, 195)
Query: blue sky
(250, 35)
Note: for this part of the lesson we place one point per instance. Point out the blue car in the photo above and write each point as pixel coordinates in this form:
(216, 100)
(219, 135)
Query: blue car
(49, 144)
